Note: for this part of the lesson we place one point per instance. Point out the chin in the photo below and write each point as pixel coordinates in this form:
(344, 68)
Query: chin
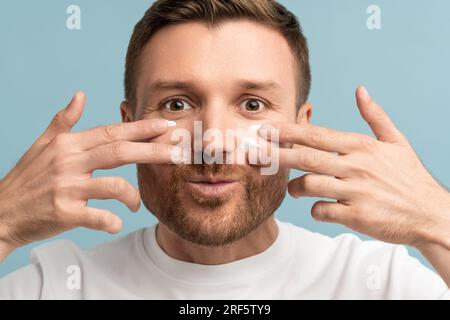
(225, 222)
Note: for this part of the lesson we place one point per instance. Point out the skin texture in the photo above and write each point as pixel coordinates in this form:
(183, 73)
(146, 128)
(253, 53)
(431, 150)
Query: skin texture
(375, 185)
(47, 192)
(214, 74)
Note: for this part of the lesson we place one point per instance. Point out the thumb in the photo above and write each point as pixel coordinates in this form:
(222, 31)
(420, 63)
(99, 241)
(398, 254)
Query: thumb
(62, 122)
(65, 119)
(377, 119)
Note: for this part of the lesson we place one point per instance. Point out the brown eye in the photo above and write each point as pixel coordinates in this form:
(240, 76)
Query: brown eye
(176, 105)
(253, 105)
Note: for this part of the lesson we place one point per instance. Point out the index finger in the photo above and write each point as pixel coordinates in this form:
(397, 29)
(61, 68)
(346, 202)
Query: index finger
(129, 131)
(316, 137)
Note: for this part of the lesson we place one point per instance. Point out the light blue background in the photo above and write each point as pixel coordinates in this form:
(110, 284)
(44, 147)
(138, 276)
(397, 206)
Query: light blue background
(405, 66)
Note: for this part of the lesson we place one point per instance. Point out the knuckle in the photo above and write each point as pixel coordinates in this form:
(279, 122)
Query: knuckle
(354, 167)
(62, 141)
(287, 132)
(117, 150)
(335, 136)
(59, 207)
(59, 164)
(316, 136)
(368, 143)
(310, 160)
(60, 119)
(112, 132)
(142, 126)
(59, 189)
(322, 184)
(58, 186)
(117, 186)
(155, 148)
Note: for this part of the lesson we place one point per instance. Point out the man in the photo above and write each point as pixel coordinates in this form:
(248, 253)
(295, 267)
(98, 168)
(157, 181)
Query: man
(228, 65)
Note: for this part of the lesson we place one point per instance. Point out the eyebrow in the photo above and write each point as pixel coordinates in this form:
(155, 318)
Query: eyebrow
(169, 85)
(243, 84)
(258, 85)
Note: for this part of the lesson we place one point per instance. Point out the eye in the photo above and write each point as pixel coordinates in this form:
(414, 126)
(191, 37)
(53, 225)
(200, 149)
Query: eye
(253, 105)
(176, 105)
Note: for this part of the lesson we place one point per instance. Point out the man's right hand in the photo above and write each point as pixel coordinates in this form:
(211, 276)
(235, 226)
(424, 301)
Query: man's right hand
(47, 192)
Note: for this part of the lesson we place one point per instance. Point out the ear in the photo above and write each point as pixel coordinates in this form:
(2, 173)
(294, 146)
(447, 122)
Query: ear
(303, 119)
(126, 112)
(304, 114)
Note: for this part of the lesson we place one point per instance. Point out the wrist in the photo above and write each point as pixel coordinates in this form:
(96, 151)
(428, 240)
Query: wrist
(437, 233)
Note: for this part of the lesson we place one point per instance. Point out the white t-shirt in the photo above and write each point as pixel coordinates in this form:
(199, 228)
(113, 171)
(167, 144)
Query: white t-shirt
(299, 265)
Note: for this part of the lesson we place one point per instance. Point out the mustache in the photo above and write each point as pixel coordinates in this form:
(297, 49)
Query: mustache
(232, 171)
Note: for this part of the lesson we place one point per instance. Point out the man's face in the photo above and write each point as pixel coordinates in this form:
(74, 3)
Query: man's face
(238, 74)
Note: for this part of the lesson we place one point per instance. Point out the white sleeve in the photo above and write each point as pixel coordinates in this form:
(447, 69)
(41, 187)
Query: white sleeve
(410, 279)
(22, 284)
(379, 270)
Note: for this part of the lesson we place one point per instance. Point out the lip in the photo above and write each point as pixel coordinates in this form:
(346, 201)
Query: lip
(211, 187)
(210, 179)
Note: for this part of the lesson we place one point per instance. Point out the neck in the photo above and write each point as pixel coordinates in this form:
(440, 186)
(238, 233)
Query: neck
(255, 242)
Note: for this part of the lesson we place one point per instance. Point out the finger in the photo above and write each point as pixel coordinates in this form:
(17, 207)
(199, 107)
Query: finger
(97, 219)
(312, 160)
(257, 151)
(317, 185)
(325, 139)
(132, 131)
(380, 123)
(110, 188)
(328, 211)
(65, 119)
(62, 122)
(120, 153)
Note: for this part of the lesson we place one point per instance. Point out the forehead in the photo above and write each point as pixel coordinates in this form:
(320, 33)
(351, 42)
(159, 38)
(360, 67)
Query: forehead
(236, 49)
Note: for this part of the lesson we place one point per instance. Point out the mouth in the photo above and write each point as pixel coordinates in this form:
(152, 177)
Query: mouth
(212, 187)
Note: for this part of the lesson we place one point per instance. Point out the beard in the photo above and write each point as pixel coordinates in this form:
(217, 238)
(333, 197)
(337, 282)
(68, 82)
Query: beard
(211, 221)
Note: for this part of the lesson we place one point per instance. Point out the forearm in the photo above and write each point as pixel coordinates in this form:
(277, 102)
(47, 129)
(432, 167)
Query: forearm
(437, 250)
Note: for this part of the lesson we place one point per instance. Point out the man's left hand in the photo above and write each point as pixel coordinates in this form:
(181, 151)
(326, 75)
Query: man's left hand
(381, 187)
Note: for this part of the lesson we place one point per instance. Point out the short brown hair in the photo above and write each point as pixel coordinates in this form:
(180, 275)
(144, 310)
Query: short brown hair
(212, 12)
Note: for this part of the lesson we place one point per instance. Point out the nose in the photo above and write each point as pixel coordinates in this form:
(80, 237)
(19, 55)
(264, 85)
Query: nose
(217, 142)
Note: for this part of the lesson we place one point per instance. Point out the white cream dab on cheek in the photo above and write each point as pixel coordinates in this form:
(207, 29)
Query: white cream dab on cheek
(254, 127)
(249, 141)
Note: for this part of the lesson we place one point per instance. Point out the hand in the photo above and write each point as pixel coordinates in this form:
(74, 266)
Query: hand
(47, 192)
(381, 187)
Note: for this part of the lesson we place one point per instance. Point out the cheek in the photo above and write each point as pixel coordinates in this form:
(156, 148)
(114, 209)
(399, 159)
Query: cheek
(153, 178)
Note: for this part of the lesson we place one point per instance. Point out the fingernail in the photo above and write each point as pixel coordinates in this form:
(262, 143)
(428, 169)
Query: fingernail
(364, 94)
(160, 124)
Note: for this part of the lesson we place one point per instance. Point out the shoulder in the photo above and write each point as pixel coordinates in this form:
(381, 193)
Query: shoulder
(61, 270)
(24, 283)
(369, 268)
